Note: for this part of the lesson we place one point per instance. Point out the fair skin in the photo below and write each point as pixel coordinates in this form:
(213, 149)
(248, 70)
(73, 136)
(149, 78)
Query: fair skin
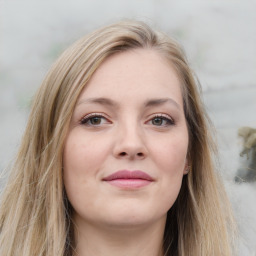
(129, 117)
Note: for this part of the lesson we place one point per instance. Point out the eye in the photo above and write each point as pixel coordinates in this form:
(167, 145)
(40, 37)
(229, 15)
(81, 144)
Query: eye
(94, 120)
(161, 120)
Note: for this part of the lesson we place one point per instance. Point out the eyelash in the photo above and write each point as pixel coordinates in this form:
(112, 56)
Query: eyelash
(85, 120)
(169, 121)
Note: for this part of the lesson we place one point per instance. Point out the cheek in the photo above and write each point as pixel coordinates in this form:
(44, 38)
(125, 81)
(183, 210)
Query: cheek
(171, 154)
(82, 159)
(170, 158)
(82, 154)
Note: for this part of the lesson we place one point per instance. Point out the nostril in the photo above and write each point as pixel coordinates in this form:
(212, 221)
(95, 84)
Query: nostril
(132, 155)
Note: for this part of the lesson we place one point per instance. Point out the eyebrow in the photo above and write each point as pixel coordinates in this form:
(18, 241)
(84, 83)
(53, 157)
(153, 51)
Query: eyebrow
(101, 101)
(111, 103)
(157, 102)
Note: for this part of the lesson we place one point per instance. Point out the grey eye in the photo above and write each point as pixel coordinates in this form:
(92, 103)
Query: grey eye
(157, 121)
(95, 120)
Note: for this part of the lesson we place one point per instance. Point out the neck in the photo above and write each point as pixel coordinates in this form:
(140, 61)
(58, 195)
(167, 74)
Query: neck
(144, 240)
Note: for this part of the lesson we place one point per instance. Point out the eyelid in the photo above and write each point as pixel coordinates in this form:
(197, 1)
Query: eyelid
(165, 117)
(91, 115)
(161, 115)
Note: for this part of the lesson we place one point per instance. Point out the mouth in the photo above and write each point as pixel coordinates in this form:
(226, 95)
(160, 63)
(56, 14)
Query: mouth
(129, 179)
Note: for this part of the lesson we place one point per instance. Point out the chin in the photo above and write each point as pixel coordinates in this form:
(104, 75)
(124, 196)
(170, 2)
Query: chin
(129, 218)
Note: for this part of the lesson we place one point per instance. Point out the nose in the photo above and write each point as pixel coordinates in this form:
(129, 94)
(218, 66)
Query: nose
(130, 144)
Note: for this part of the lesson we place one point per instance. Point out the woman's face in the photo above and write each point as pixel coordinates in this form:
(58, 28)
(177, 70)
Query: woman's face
(125, 153)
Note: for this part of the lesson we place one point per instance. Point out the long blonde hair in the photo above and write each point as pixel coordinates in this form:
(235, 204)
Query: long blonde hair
(35, 213)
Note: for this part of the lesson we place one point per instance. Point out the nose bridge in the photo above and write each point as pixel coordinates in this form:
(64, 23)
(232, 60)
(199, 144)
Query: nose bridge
(130, 133)
(130, 141)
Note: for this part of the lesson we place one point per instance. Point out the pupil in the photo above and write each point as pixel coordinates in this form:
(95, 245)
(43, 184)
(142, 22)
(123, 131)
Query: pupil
(95, 120)
(157, 121)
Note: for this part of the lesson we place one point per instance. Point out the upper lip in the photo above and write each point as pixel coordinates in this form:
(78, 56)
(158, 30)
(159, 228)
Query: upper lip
(126, 174)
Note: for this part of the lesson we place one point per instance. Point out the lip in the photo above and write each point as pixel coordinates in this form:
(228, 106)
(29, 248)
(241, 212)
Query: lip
(129, 179)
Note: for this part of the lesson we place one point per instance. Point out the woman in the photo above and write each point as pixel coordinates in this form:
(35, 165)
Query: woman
(117, 157)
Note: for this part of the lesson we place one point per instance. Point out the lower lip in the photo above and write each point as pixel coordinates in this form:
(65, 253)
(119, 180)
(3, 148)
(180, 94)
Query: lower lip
(129, 183)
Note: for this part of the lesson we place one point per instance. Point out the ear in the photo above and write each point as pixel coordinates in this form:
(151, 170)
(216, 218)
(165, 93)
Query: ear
(187, 168)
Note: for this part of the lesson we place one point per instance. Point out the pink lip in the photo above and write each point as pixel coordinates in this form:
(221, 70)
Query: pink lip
(129, 179)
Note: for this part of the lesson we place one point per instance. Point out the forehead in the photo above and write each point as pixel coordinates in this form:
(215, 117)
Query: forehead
(134, 73)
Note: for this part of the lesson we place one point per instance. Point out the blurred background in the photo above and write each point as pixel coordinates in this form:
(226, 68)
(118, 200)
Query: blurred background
(219, 37)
